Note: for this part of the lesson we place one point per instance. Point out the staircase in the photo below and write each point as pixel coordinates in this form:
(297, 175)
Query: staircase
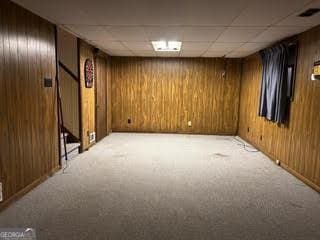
(72, 148)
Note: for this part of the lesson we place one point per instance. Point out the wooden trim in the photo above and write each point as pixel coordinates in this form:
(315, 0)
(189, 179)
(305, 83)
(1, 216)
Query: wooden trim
(80, 97)
(57, 80)
(95, 53)
(65, 68)
(239, 98)
(296, 42)
(285, 167)
(27, 189)
(300, 177)
(176, 132)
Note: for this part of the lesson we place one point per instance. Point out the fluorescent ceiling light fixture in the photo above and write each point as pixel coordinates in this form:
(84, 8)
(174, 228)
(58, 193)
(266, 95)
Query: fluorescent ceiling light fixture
(164, 46)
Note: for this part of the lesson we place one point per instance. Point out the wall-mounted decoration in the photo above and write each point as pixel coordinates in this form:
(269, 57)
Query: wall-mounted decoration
(316, 71)
(88, 73)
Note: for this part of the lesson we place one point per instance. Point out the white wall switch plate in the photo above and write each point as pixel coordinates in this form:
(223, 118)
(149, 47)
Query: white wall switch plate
(189, 123)
(1, 195)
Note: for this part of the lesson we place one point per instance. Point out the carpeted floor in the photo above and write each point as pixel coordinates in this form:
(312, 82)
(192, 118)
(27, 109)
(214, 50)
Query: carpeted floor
(169, 186)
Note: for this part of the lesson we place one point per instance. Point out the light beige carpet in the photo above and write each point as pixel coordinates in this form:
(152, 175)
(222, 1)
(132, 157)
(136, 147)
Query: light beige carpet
(166, 186)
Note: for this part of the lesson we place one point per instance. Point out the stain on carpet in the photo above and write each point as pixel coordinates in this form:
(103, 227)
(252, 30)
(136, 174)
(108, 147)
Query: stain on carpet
(220, 155)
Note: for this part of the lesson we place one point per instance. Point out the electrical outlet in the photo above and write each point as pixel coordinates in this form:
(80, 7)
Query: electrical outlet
(92, 137)
(1, 195)
(189, 124)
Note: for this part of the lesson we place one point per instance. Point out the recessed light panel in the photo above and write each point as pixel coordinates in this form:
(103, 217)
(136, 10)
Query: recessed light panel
(164, 46)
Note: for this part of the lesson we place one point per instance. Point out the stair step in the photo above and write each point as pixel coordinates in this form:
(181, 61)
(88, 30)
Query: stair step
(71, 148)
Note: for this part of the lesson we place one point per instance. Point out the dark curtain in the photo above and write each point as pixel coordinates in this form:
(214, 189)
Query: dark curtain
(274, 85)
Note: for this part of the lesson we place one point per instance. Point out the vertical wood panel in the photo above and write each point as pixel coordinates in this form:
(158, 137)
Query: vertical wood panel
(28, 111)
(296, 144)
(87, 97)
(103, 95)
(162, 95)
(108, 97)
(4, 133)
(69, 89)
(67, 50)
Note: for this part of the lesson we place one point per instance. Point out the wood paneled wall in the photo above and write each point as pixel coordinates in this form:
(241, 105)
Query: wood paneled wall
(109, 96)
(87, 97)
(103, 95)
(28, 110)
(69, 89)
(68, 50)
(163, 94)
(296, 144)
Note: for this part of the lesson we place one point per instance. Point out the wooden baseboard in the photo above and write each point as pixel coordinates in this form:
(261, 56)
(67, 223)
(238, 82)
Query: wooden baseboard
(285, 167)
(27, 189)
(177, 132)
(300, 177)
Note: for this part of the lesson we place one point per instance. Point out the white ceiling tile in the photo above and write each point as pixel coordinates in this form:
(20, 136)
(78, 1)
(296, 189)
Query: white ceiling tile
(195, 46)
(143, 46)
(200, 12)
(168, 33)
(239, 54)
(252, 47)
(225, 46)
(168, 54)
(191, 53)
(91, 32)
(295, 20)
(110, 45)
(142, 53)
(215, 53)
(58, 11)
(265, 13)
(166, 12)
(128, 33)
(108, 23)
(142, 12)
(202, 34)
(274, 34)
(239, 34)
(119, 52)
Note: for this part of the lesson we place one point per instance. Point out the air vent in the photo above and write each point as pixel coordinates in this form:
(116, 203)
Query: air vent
(310, 12)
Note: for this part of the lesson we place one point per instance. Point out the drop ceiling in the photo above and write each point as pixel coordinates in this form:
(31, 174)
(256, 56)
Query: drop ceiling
(206, 28)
